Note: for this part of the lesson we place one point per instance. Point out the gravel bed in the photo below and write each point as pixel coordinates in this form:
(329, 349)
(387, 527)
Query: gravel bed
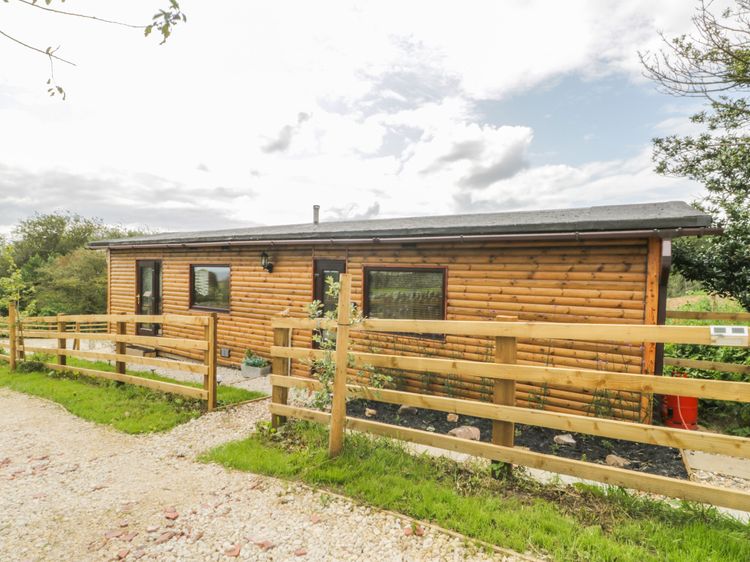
(664, 461)
(721, 480)
(73, 490)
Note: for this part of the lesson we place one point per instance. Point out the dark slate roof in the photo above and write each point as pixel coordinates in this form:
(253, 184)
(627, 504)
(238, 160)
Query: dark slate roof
(665, 215)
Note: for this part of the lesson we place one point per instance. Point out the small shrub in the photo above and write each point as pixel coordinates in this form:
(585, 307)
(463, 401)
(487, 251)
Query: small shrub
(30, 367)
(253, 360)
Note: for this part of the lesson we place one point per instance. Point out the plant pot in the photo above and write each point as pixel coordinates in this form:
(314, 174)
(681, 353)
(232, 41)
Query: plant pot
(255, 372)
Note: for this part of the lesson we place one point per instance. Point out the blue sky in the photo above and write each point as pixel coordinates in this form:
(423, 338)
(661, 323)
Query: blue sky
(577, 120)
(369, 109)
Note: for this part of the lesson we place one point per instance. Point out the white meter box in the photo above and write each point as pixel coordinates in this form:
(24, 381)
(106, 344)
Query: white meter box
(729, 335)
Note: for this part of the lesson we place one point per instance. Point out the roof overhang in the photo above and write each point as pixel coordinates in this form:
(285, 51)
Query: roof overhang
(510, 237)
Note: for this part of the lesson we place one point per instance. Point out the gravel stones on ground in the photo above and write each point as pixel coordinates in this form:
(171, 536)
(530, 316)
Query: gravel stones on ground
(104, 495)
(721, 480)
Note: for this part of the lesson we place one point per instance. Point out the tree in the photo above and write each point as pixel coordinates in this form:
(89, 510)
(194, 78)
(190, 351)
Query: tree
(712, 64)
(13, 288)
(162, 22)
(75, 283)
(46, 236)
(45, 267)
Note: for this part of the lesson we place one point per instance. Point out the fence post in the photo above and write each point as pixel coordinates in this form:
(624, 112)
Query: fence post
(280, 366)
(12, 335)
(121, 347)
(209, 379)
(504, 392)
(76, 341)
(61, 341)
(338, 406)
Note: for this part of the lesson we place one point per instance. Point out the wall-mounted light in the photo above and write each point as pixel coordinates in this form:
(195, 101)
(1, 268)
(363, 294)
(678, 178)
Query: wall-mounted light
(265, 262)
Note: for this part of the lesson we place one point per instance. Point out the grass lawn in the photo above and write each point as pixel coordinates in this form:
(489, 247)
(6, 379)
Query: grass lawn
(129, 408)
(565, 523)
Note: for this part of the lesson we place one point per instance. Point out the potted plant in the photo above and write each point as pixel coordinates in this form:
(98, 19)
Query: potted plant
(254, 366)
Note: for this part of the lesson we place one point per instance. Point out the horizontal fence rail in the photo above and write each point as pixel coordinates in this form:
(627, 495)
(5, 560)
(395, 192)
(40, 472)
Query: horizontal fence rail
(504, 372)
(114, 328)
(641, 433)
(707, 315)
(686, 363)
(700, 364)
(662, 485)
(625, 333)
(563, 376)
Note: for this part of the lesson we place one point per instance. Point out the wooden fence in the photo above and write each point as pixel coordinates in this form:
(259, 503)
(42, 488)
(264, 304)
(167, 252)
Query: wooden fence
(686, 363)
(504, 372)
(114, 328)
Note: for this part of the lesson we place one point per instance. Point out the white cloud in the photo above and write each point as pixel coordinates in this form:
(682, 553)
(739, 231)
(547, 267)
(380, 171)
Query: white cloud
(595, 183)
(387, 90)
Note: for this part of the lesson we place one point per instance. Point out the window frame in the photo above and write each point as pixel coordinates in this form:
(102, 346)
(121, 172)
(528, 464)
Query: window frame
(411, 269)
(194, 306)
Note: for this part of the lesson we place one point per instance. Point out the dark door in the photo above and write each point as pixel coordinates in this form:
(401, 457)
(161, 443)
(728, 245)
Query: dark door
(148, 294)
(326, 269)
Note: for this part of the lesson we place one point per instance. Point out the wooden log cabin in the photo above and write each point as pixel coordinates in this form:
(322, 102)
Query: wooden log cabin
(606, 264)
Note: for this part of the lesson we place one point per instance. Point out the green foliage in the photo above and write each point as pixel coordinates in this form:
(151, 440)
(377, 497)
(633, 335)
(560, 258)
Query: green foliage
(252, 360)
(46, 268)
(713, 64)
(164, 20)
(325, 369)
(728, 417)
(680, 287)
(563, 523)
(46, 236)
(13, 286)
(126, 407)
(30, 366)
(75, 283)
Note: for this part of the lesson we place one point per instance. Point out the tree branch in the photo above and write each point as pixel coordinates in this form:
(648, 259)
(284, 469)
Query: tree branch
(74, 14)
(47, 52)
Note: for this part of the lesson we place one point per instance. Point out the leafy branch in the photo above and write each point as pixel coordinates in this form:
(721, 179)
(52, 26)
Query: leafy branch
(163, 21)
(325, 369)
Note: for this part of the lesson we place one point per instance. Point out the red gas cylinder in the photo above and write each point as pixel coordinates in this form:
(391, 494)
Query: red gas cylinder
(680, 411)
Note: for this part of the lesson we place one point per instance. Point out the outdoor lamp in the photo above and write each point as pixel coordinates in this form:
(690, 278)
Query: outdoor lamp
(265, 262)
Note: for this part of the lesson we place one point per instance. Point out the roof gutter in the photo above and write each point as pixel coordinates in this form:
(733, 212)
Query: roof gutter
(667, 233)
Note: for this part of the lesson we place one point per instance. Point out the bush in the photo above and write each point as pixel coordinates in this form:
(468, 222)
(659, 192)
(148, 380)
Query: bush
(252, 360)
(731, 417)
(30, 367)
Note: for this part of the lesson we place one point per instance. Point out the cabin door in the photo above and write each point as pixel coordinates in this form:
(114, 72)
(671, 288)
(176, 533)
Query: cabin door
(148, 294)
(326, 269)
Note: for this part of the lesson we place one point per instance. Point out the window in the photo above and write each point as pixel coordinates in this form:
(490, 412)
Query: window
(414, 294)
(209, 287)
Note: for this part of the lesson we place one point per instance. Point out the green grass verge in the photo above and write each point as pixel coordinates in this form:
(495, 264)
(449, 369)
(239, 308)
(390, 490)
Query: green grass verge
(126, 407)
(567, 523)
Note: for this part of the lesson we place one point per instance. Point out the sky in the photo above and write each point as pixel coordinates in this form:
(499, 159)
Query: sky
(252, 112)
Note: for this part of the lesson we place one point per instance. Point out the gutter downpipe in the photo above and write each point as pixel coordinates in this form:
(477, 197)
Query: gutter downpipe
(661, 311)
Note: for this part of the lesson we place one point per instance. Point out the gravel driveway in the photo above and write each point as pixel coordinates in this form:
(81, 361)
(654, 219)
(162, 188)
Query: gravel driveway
(73, 490)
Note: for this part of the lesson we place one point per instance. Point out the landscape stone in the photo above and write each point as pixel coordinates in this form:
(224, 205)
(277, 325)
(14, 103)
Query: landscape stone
(407, 410)
(466, 432)
(564, 439)
(614, 460)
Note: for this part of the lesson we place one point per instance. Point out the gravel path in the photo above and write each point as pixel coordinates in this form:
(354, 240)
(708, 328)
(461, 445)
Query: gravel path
(73, 490)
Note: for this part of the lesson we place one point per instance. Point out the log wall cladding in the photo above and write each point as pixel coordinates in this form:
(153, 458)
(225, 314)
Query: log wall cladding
(594, 281)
